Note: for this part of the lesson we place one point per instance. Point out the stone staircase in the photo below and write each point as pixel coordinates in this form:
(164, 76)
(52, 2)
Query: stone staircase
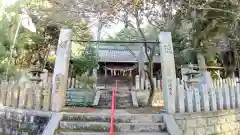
(99, 124)
(123, 99)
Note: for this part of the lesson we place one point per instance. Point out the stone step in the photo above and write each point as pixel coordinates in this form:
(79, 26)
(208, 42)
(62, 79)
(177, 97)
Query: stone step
(122, 100)
(118, 127)
(117, 106)
(116, 133)
(118, 102)
(107, 104)
(117, 96)
(117, 99)
(117, 93)
(125, 118)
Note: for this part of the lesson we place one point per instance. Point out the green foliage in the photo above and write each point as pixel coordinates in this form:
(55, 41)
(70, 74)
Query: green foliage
(34, 47)
(85, 62)
(7, 28)
(212, 21)
(88, 81)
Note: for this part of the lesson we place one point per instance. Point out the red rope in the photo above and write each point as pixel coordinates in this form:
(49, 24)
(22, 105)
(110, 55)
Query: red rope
(113, 111)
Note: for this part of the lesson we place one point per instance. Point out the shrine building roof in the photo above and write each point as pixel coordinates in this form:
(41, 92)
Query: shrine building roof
(122, 54)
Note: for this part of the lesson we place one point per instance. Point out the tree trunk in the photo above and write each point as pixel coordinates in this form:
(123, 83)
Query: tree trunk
(150, 78)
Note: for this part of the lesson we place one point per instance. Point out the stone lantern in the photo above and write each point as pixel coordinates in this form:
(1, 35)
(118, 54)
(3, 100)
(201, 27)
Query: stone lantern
(35, 73)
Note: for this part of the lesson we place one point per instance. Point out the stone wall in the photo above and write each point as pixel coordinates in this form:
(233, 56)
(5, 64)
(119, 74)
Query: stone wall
(143, 95)
(213, 123)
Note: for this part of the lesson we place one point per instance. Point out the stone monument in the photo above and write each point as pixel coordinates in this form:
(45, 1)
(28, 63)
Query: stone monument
(168, 71)
(60, 74)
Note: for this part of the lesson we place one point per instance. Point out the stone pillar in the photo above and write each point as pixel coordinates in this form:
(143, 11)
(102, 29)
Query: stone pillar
(142, 83)
(158, 84)
(38, 96)
(168, 71)
(46, 97)
(23, 95)
(155, 83)
(60, 74)
(30, 98)
(137, 82)
(146, 84)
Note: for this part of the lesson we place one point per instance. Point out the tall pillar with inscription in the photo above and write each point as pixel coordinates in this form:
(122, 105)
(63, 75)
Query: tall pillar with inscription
(168, 71)
(60, 74)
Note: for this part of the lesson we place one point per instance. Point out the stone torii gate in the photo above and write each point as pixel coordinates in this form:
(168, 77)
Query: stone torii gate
(60, 75)
(169, 80)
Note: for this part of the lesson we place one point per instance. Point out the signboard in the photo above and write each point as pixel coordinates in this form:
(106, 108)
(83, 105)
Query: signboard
(168, 71)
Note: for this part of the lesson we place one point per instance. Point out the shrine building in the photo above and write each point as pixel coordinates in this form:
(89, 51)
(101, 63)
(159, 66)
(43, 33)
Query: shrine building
(121, 64)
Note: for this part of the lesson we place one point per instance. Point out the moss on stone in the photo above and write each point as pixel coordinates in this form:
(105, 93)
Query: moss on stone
(87, 118)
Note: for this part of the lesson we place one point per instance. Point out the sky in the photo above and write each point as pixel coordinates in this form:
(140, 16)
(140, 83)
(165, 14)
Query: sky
(112, 30)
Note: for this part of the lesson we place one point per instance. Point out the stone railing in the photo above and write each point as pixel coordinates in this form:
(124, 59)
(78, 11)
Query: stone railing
(223, 95)
(25, 96)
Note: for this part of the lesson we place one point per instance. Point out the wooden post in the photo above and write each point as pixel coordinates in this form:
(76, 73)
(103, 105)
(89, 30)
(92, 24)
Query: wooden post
(168, 71)
(61, 67)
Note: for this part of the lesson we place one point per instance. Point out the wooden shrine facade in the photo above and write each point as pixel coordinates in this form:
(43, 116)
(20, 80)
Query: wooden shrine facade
(119, 64)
